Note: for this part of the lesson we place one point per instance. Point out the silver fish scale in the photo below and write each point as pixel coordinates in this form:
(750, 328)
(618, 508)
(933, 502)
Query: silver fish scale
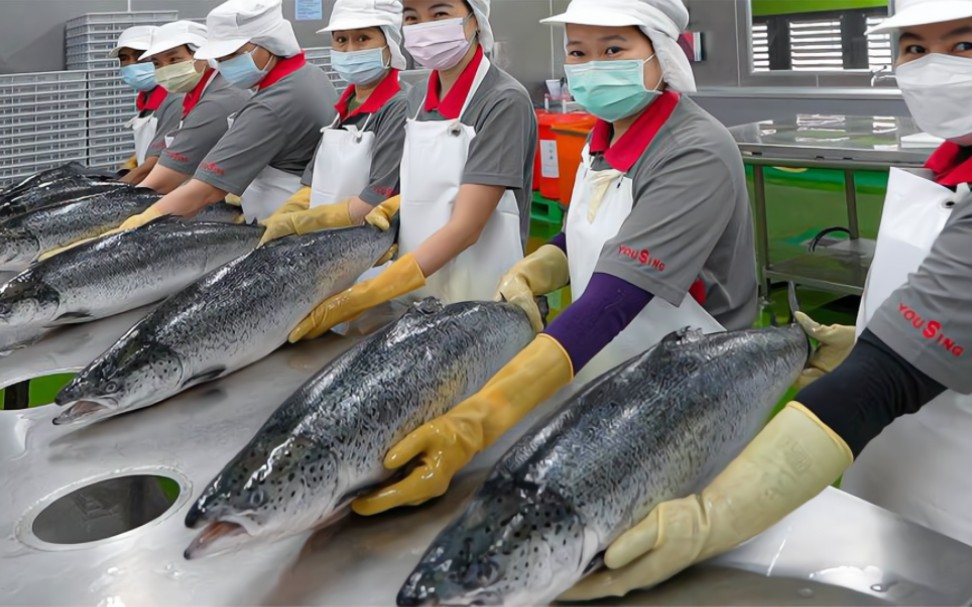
(135, 268)
(661, 426)
(245, 309)
(328, 440)
(64, 223)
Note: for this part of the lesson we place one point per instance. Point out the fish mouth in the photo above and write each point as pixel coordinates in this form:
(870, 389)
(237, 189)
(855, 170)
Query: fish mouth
(207, 543)
(84, 411)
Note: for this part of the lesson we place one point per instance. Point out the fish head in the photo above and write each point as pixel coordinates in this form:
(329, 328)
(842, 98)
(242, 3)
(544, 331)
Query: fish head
(513, 545)
(271, 489)
(128, 376)
(25, 302)
(17, 245)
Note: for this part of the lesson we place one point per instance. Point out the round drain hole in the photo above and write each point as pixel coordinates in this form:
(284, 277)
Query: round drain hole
(106, 509)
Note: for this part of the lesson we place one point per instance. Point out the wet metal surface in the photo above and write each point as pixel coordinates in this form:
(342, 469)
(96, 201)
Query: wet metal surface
(837, 550)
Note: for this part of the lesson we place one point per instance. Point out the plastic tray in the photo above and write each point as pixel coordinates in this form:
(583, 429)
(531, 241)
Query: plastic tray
(123, 18)
(40, 127)
(67, 109)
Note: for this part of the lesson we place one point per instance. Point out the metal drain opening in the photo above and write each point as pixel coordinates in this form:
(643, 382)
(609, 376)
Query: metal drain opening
(106, 509)
(34, 392)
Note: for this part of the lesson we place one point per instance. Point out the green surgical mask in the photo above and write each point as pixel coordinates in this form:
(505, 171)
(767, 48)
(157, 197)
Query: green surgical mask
(611, 90)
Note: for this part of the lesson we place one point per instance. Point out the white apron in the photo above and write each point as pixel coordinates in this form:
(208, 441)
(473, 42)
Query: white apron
(918, 466)
(144, 130)
(600, 203)
(432, 165)
(267, 193)
(343, 165)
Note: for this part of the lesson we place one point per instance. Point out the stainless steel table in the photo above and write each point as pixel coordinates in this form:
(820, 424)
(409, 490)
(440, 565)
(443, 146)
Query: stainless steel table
(836, 550)
(845, 143)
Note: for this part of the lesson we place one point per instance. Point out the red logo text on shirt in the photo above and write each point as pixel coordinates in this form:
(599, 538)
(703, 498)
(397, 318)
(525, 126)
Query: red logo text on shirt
(212, 168)
(643, 257)
(931, 330)
(176, 156)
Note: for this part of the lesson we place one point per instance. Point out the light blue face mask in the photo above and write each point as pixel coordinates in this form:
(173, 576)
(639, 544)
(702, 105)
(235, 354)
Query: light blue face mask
(359, 67)
(139, 76)
(242, 71)
(611, 90)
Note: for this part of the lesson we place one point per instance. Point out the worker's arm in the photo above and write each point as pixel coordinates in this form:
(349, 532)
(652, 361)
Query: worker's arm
(164, 180)
(188, 199)
(897, 366)
(139, 173)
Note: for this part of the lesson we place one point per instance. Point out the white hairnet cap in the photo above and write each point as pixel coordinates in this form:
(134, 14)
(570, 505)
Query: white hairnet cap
(909, 13)
(236, 22)
(138, 38)
(361, 14)
(481, 9)
(661, 20)
(176, 34)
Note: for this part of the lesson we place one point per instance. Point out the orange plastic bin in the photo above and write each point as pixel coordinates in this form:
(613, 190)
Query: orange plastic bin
(571, 139)
(548, 150)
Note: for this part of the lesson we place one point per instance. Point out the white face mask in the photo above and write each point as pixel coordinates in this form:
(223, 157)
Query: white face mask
(937, 89)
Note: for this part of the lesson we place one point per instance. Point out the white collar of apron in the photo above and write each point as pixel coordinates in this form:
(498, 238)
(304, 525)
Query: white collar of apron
(481, 72)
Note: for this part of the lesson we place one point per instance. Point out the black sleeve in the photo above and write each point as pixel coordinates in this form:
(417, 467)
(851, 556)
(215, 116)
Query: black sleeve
(872, 388)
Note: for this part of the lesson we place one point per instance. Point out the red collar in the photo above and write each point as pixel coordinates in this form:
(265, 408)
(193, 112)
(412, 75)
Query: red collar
(952, 164)
(284, 68)
(386, 89)
(625, 153)
(451, 106)
(150, 101)
(192, 97)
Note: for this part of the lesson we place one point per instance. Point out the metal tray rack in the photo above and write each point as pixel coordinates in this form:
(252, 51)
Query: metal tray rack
(89, 38)
(43, 118)
(321, 57)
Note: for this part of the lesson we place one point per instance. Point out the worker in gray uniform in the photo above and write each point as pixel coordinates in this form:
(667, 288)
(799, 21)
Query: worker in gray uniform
(896, 398)
(157, 111)
(357, 162)
(209, 100)
(658, 236)
(270, 142)
(467, 171)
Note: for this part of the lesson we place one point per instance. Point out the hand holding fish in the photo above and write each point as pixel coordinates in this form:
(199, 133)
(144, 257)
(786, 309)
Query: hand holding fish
(401, 277)
(836, 342)
(755, 491)
(443, 446)
(541, 272)
(381, 215)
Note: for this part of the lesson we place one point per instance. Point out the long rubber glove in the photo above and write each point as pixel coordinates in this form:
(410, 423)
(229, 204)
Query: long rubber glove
(543, 271)
(135, 221)
(400, 278)
(307, 221)
(131, 164)
(446, 444)
(381, 215)
(794, 458)
(836, 342)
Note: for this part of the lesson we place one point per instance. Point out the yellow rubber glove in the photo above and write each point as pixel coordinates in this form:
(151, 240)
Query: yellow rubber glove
(836, 342)
(543, 271)
(131, 164)
(794, 458)
(446, 444)
(233, 199)
(131, 223)
(403, 276)
(300, 201)
(304, 222)
(381, 215)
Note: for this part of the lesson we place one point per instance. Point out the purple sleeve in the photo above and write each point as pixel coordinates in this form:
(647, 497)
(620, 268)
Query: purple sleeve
(560, 241)
(606, 308)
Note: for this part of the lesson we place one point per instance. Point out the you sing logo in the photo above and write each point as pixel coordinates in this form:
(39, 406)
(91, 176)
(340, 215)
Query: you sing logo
(931, 330)
(643, 257)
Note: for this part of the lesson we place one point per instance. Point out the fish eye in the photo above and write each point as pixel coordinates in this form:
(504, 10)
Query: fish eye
(258, 497)
(111, 386)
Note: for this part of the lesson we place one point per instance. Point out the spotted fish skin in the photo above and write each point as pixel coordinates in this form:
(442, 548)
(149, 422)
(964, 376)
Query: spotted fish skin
(49, 186)
(230, 318)
(121, 272)
(326, 443)
(657, 427)
(24, 237)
